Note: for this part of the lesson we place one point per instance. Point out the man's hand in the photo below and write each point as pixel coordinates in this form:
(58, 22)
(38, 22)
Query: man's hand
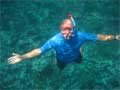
(17, 58)
(14, 59)
(117, 37)
(108, 37)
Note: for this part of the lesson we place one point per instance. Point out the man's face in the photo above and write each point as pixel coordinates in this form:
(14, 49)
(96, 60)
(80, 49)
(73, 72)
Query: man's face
(67, 29)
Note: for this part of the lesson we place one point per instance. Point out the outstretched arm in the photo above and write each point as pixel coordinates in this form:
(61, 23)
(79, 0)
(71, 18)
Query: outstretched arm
(17, 58)
(102, 37)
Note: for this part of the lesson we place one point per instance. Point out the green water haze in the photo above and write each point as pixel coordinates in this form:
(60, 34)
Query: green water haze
(28, 24)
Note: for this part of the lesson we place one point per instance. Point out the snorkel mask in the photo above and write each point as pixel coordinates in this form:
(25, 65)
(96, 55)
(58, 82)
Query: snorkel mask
(68, 28)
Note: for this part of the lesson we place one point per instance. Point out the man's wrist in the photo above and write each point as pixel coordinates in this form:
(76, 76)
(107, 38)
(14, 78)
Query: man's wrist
(23, 57)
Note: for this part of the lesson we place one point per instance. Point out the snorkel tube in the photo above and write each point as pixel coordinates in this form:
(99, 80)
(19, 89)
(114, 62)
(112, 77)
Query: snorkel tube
(72, 19)
(70, 16)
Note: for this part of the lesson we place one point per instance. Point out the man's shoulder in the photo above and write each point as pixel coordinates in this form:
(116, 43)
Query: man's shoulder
(80, 33)
(56, 37)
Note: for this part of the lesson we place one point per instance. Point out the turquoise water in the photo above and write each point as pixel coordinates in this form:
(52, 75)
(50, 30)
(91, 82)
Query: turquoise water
(28, 24)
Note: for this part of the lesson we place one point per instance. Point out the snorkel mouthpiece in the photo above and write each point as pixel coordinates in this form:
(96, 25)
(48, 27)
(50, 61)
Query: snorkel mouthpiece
(71, 34)
(67, 36)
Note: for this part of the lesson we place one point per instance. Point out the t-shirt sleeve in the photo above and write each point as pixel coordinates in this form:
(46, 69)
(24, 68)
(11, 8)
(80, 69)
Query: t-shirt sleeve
(48, 45)
(89, 36)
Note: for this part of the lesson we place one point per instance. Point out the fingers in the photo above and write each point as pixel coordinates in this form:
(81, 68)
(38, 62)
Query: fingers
(118, 37)
(11, 60)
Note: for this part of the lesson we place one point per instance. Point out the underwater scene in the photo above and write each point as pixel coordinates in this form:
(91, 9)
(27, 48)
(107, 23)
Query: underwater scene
(28, 24)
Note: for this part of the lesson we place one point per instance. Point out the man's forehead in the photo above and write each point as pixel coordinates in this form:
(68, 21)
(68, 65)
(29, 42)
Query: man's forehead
(66, 21)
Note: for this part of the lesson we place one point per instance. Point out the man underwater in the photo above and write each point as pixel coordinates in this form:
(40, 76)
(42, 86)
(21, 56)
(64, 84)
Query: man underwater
(67, 44)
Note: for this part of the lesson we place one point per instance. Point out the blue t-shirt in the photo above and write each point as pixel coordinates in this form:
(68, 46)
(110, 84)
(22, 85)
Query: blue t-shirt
(68, 50)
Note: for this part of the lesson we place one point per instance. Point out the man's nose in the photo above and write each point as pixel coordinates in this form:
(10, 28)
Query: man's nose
(66, 31)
